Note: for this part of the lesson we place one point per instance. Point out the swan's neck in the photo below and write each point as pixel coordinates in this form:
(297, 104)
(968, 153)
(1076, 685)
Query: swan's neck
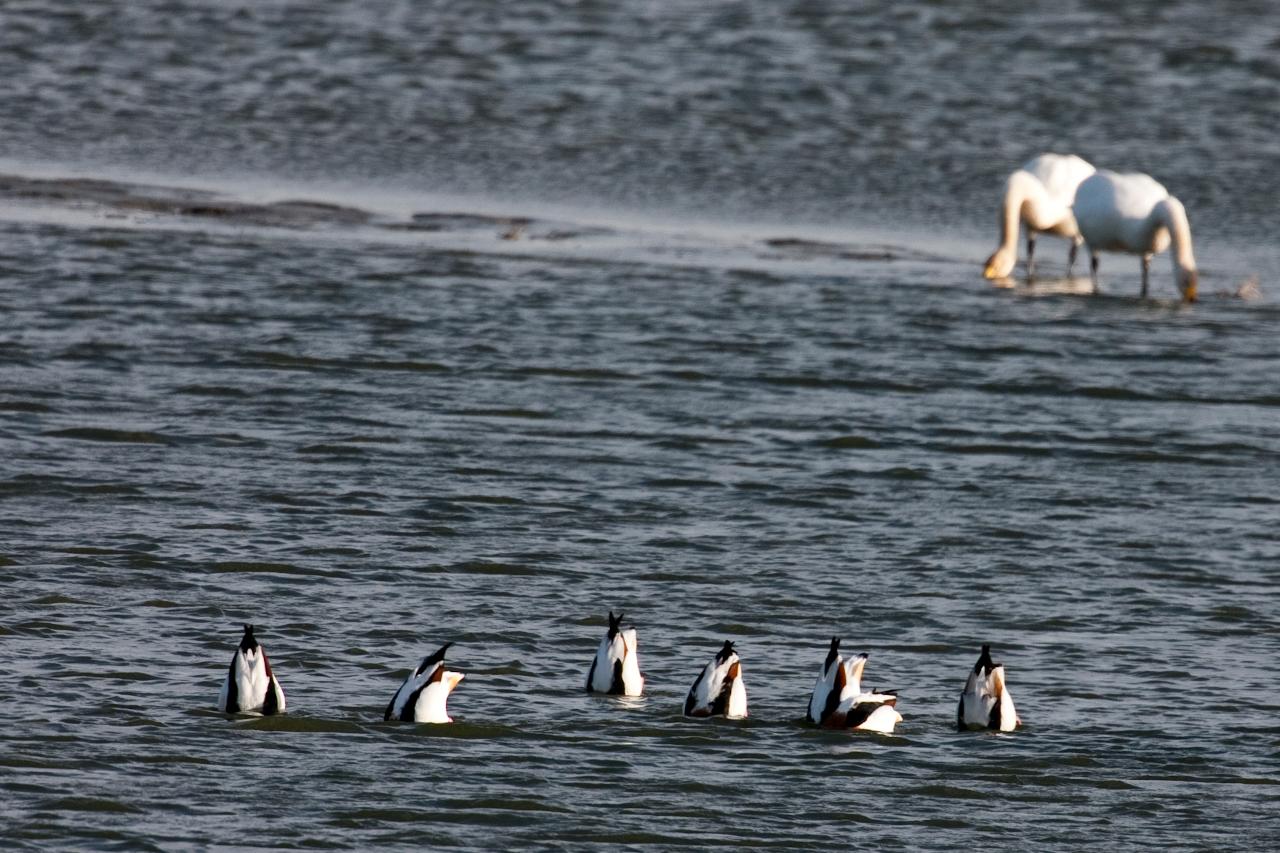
(1016, 190)
(1172, 215)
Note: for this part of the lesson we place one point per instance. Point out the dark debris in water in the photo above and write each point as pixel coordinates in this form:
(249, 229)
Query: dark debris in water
(138, 198)
(802, 249)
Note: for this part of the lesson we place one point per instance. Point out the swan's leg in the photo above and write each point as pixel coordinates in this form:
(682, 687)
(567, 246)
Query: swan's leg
(1031, 252)
(1093, 269)
(1071, 255)
(1146, 268)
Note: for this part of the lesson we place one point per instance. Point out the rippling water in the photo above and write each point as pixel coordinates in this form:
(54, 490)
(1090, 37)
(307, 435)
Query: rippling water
(446, 369)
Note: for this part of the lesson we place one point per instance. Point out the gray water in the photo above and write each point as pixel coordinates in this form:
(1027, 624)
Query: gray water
(384, 325)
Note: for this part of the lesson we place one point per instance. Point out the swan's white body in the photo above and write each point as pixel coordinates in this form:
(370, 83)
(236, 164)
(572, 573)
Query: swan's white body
(838, 702)
(424, 695)
(250, 686)
(986, 702)
(616, 667)
(719, 690)
(1133, 213)
(1039, 196)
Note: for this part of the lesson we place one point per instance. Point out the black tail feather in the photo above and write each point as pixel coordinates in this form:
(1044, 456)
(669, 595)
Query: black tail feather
(434, 658)
(725, 652)
(833, 654)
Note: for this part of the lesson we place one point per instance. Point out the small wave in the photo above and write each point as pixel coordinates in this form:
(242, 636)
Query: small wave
(992, 449)
(681, 543)
(295, 723)
(331, 450)
(821, 382)
(230, 526)
(523, 414)
(223, 391)
(116, 676)
(511, 804)
(682, 483)
(493, 500)
(165, 759)
(56, 599)
(90, 804)
(291, 361)
(949, 792)
(236, 567)
(287, 500)
(686, 375)
(41, 628)
(107, 489)
(850, 442)
(737, 629)
(111, 435)
(359, 818)
(585, 373)
(482, 567)
(897, 472)
(407, 366)
(24, 406)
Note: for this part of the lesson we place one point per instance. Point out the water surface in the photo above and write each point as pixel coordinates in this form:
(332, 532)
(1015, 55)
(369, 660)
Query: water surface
(527, 316)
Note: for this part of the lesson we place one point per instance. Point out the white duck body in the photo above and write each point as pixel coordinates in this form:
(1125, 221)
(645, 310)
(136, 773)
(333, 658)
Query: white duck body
(424, 695)
(874, 712)
(838, 702)
(1133, 213)
(1039, 196)
(986, 702)
(719, 690)
(250, 686)
(616, 667)
(832, 689)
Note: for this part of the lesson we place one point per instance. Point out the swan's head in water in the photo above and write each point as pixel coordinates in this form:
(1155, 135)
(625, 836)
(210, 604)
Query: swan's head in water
(1001, 262)
(1188, 280)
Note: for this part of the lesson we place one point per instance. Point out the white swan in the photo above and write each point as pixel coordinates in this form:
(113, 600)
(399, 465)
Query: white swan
(616, 667)
(424, 695)
(1038, 195)
(250, 686)
(719, 690)
(1134, 213)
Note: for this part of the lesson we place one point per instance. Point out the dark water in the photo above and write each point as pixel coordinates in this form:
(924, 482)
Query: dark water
(381, 325)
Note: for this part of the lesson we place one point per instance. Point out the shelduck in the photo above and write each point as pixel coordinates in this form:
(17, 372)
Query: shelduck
(616, 667)
(423, 696)
(250, 686)
(719, 690)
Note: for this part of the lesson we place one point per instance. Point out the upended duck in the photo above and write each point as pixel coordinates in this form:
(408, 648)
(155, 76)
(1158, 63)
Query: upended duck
(423, 696)
(986, 702)
(837, 701)
(719, 690)
(250, 686)
(615, 670)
